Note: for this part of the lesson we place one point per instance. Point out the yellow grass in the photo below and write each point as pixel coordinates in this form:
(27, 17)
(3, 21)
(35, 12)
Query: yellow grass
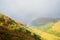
(56, 27)
(45, 35)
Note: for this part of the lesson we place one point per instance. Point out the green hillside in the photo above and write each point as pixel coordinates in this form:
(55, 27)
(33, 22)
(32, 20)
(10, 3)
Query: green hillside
(12, 30)
(55, 29)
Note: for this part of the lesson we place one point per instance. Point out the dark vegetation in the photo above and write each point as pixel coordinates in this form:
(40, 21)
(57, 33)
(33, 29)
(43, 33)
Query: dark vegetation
(37, 37)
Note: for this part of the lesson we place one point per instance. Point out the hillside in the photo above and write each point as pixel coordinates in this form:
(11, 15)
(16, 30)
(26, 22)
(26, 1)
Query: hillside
(55, 29)
(45, 35)
(12, 30)
(56, 26)
(47, 29)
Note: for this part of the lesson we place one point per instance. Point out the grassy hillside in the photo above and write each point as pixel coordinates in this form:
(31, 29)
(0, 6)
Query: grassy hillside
(55, 30)
(56, 27)
(49, 31)
(12, 30)
(45, 35)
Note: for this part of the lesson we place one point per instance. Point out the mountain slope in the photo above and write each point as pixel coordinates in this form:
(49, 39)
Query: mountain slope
(56, 26)
(45, 35)
(12, 30)
(55, 29)
(45, 26)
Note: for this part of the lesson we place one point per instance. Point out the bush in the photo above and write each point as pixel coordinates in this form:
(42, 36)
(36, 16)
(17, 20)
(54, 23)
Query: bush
(28, 32)
(37, 37)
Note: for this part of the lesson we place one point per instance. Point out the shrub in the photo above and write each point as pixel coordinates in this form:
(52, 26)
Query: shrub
(37, 37)
(28, 32)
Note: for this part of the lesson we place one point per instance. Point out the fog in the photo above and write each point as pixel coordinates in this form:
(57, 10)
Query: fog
(26, 10)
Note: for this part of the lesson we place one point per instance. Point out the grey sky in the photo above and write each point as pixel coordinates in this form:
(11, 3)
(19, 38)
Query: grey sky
(25, 10)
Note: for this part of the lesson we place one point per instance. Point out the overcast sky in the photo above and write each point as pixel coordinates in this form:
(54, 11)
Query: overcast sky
(25, 10)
